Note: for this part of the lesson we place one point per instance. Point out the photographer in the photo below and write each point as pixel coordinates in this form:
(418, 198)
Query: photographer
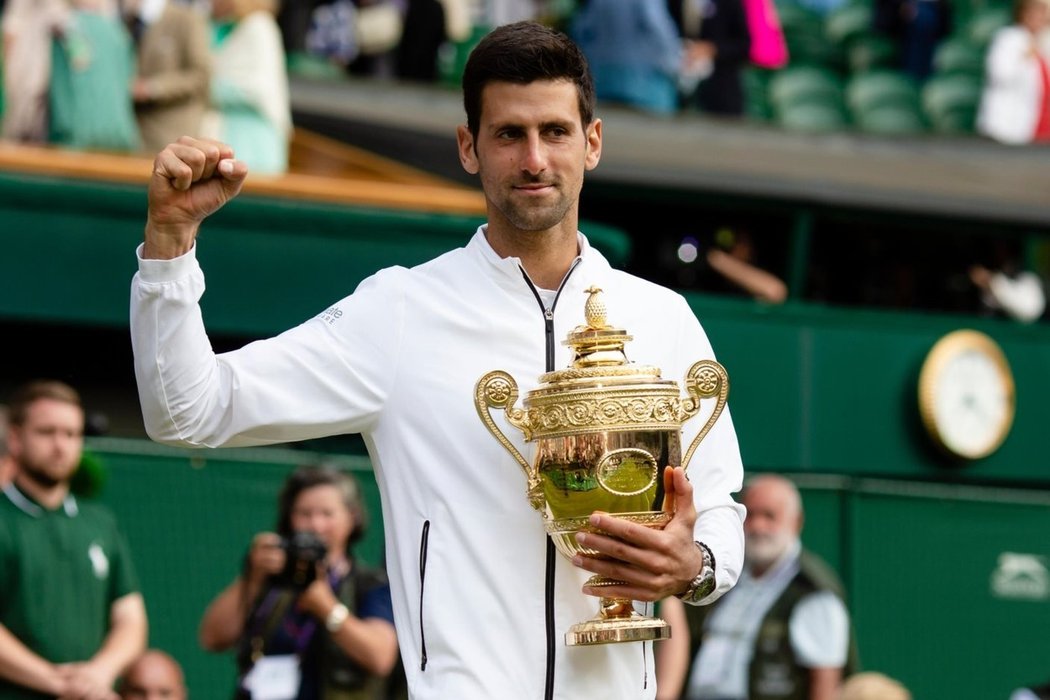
(303, 615)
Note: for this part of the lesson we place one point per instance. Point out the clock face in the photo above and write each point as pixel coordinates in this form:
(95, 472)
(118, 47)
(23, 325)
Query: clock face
(967, 394)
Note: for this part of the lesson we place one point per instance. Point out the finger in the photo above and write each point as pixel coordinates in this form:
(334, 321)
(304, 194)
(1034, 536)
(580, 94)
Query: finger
(233, 173)
(679, 491)
(169, 167)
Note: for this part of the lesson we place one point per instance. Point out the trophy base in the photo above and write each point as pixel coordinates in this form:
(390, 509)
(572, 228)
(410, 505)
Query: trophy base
(636, 628)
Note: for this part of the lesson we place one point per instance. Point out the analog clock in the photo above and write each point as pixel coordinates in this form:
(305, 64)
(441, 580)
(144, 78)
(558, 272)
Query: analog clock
(966, 394)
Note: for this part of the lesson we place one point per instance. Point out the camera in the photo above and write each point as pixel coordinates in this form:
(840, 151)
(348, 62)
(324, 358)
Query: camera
(303, 550)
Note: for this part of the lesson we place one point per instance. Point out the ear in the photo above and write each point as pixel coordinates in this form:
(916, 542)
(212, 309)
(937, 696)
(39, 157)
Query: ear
(594, 144)
(467, 157)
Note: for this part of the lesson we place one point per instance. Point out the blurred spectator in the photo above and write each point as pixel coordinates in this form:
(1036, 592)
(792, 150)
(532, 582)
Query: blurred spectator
(733, 259)
(1015, 105)
(782, 631)
(171, 86)
(633, 50)
(71, 616)
(93, 64)
(29, 26)
(1005, 288)
(154, 676)
(423, 35)
(303, 610)
(251, 110)
(918, 27)
(7, 464)
(717, 47)
(294, 20)
(872, 686)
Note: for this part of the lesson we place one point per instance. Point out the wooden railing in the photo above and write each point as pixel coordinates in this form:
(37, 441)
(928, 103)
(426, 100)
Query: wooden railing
(322, 170)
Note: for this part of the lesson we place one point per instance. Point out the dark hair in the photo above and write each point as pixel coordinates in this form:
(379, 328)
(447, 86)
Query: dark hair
(28, 394)
(524, 52)
(307, 477)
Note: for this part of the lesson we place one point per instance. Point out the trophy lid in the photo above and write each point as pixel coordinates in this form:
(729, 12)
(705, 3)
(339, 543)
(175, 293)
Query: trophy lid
(597, 344)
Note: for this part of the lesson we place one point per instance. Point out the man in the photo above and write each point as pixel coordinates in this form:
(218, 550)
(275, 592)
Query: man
(154, 676)
(172, 86)
(7, 465)
(71, 616)
(481, 600)
(783, 632)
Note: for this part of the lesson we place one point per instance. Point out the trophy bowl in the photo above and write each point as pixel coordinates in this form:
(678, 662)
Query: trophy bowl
(605, 430)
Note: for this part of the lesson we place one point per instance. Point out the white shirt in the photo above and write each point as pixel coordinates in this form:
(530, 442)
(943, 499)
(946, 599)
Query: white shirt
(397, 361)
(818, 631)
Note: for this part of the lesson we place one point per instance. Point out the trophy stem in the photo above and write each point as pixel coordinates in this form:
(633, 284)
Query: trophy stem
(617, 621)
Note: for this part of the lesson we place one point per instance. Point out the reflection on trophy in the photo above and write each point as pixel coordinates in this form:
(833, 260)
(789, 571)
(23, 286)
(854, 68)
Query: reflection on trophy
(605, 431)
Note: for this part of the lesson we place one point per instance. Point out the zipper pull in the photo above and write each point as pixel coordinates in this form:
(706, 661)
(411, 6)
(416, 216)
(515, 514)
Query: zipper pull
(548, 314)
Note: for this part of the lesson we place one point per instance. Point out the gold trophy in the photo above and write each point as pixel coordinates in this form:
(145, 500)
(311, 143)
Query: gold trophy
(605, 431)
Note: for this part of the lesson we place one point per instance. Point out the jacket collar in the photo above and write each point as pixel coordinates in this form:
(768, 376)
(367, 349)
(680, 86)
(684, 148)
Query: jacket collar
(509, 269)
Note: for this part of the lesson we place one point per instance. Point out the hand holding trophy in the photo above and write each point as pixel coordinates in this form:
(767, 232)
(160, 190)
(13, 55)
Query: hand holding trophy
(606, 430)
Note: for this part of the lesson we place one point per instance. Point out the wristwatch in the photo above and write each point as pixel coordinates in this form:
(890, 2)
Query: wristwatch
(701, 586)
(334, 622)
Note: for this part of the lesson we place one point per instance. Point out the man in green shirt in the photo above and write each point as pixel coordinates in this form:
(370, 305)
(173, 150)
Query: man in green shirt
(71, 616)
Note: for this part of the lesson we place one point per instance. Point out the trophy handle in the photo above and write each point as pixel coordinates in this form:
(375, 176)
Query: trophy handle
(497, 389)
(706, 379)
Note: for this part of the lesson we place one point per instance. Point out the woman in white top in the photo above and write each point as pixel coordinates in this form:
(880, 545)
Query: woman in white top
(249, 93)
(1015, 91)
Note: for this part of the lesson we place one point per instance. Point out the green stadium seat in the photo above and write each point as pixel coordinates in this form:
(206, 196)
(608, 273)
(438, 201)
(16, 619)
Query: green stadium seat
(306, 65)
(881, 88)
(803, 84)
(985, 23)
(847, 22)
(812, 117)
(756, 93)
(870, 52)
(950, 102)
(957, 55)
(806, 39)
(890, 119)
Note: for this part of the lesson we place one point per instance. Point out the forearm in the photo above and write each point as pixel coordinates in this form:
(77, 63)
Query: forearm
(126, 639)
(824, 683)
(223, 621)
(371, 643)
(21, 666)
(672, 655)
(755, 281)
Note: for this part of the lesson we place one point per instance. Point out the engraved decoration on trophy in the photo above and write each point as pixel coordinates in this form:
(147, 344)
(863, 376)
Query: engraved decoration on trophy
(604, 430)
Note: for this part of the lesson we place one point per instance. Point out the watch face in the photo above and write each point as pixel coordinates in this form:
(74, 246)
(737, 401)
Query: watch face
(967, 394)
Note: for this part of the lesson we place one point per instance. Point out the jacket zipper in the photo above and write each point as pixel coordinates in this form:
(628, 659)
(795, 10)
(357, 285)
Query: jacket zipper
(423, 542)
(548, 324)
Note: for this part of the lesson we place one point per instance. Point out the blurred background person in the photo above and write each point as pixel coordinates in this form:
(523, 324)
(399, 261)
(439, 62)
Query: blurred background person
(7, 465)
(71, 615)
(782, 632)
(303, 610)
(1005, 288)
(93, 64)
(29, 27)
(633, 49)
(154, 676)
(171, 85)
(733, 258)
(717, 49)
(872, 686)
(918, 26)
(1015, 104)
(250, 106)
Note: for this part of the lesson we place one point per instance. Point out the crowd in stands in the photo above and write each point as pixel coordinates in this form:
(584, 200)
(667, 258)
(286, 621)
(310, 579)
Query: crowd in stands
(133, 75)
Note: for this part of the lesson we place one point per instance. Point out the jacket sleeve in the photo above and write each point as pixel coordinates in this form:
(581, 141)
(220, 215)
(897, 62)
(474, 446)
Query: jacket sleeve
(715, 471)
(328, 376)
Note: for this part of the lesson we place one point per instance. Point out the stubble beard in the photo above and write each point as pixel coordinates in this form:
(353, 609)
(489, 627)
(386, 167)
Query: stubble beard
(534, 216)
(42, 476)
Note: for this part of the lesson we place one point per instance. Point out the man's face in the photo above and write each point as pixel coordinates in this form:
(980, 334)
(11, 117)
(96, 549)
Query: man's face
(531, 152)
(773, 522)
(153, 678)
(48, 445)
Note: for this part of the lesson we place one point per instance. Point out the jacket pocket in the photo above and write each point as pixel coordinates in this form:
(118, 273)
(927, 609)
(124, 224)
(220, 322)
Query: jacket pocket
(423, 542)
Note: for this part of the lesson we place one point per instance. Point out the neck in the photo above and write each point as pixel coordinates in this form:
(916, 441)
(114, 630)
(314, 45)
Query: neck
(545, 255)
(48, 495)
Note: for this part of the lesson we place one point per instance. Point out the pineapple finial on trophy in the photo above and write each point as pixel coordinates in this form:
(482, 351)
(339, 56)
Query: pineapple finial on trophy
(594, 310)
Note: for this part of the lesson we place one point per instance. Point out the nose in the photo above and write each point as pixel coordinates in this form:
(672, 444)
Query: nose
(534, 160)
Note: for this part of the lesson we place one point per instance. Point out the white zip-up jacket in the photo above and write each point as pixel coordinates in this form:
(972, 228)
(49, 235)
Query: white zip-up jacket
(397, 361)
